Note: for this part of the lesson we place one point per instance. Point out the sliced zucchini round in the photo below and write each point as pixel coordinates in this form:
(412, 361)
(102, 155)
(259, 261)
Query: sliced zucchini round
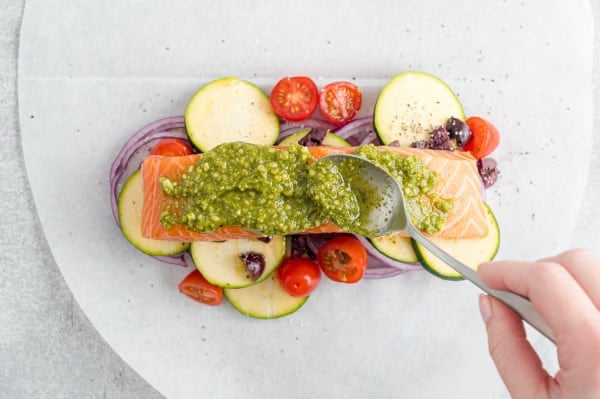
(395, 246)
(130, 204)
(411, 105)
(331, 139)
(266, 300)
(220, 263)
(227, 110)
(470, 251)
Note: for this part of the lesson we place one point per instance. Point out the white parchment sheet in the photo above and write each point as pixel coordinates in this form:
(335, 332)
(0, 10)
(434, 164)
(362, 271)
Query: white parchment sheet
(92, 73)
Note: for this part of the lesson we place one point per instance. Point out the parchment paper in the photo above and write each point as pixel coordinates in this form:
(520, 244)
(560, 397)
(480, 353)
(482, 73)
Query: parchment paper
(91, 74)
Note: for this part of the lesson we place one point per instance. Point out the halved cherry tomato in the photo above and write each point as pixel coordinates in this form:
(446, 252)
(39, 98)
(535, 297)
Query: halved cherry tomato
(343, 259)
(294, 98)
(340, 101)
(172, 148)
(485, 137)
(299, 277)
(196, 287)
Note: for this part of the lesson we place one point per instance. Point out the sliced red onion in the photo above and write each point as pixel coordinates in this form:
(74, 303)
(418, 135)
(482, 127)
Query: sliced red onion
(161, 125)
(179, 260)
(369, 138)
(136, 149)
(354, 127)
(150, 139)
(306, 124)
(288, 128)
(378, 269)
(183, 259)
(289, 131)
(129, 159)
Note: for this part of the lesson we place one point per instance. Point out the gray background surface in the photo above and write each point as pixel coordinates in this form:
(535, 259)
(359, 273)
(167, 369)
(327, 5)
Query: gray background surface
(48, 348)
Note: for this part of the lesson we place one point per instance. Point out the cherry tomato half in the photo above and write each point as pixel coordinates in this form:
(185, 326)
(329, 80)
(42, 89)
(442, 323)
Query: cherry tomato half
(485, 137)
(294, 98)
(343, 259)
(299, 277)
(172, 148)
(340, 101)
(196, 287)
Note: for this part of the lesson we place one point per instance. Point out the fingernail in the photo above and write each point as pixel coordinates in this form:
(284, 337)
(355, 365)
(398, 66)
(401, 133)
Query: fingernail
(485, 307)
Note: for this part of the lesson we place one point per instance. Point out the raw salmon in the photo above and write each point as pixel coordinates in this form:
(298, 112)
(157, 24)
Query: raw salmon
(458, 179)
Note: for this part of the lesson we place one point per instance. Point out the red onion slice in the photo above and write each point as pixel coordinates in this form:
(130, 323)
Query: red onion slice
(161, 125)
(179, 260)
(378, 269)
(183, 259)
(354, 126)
(369, 138)
(306, 124)
(289, 131)
(129, 159)
(138, 147)
(288, 128)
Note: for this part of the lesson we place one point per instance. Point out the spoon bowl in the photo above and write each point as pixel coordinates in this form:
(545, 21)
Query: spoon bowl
(390, 216)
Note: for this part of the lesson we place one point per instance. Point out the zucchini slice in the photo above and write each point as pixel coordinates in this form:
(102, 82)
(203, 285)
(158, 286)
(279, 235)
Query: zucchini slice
(470, 251)
(220, 264)
(227, 110)
(266, 300)
(130, 204)
(411, 105)
(395, 246)
(331, 139)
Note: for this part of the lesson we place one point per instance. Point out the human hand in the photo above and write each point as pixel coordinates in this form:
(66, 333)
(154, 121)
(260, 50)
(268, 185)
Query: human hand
(565, 289)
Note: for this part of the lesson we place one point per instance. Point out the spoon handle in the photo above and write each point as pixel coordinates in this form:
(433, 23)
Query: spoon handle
(519, 304)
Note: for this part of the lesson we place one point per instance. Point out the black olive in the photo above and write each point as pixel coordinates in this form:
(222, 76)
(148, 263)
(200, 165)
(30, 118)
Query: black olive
(313, 138)
(299, 246)
(254, 262)
(488, 170)
(459, 131)
(439, 139)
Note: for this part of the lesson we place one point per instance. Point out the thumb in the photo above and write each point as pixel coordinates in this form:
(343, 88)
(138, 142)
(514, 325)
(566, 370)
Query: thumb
(518, 364)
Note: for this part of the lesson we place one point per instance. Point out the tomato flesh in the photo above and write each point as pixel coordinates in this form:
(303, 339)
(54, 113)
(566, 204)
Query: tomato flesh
(294, 98)
(195, 286)
(299, 277)
(172, 148)
(343, 259)
(339, 102)
(485, 137)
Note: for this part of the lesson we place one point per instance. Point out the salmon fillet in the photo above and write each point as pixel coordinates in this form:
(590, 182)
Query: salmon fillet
(458, 179)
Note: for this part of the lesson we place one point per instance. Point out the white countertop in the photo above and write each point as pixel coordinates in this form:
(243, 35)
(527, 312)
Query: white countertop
(47, 346)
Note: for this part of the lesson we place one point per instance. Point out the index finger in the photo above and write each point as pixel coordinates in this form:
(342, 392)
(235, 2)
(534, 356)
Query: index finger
(557, 296)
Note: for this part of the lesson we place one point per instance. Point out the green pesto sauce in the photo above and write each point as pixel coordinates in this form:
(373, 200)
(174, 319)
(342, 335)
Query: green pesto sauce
(343, 194)
(427, 209)
(283, 191)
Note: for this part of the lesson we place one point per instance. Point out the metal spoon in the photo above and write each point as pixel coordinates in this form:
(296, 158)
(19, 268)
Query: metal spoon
(391, 216)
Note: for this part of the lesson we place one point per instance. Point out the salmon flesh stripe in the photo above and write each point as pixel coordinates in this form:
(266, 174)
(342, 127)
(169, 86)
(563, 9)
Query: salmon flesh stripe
(458, 179)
